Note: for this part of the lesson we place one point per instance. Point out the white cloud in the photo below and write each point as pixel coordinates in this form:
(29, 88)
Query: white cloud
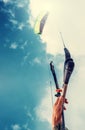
(65, 16)
(25, 126)
(74, 115)
(16, 23)
(37, 60)
(13, 21)
(25, 58)
(13, 45)
(21, 3)
(16, 127)
(6, 1)
(44, 110)
(21, 26)
(30, 115)
(75, 112)
(11, 13)
(24, 45)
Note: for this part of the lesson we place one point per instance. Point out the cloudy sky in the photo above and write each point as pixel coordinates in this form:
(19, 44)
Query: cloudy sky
(25, 96)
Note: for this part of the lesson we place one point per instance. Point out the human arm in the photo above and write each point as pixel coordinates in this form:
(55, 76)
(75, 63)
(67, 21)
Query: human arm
(57, 112)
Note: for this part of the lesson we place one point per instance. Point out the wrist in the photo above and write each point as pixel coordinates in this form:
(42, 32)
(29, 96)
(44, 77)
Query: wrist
(55, 127)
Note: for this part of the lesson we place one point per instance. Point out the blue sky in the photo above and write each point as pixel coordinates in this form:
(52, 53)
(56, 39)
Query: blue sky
(22, 76)
(23, 69)
(25, 98)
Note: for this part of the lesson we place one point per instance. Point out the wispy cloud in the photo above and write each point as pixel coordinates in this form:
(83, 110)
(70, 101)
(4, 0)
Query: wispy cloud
(20, 127)
(13, 21)
(11, 13)
(30, 115)
(21, 26)
(21, 4)
(17, 3)
(16, 127)
(37, 60)
(16, 23)
(34, 61)
(25, 58)
(6, 1)
(25, 126)
(24, 45)
(13, 46)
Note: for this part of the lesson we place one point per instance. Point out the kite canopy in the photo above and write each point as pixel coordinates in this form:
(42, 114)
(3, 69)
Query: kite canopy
(40, 22)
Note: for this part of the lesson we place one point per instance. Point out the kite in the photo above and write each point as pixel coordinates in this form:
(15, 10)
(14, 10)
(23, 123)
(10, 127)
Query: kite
(40, 22)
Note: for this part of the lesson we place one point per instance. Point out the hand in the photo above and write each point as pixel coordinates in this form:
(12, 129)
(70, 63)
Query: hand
(57, 111)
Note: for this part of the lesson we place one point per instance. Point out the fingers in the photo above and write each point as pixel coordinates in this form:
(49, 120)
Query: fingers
(64, 107)
(58, 91)
(59, 103)
(66, 101)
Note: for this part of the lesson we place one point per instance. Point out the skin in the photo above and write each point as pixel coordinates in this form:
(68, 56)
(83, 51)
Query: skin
(57, 111)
